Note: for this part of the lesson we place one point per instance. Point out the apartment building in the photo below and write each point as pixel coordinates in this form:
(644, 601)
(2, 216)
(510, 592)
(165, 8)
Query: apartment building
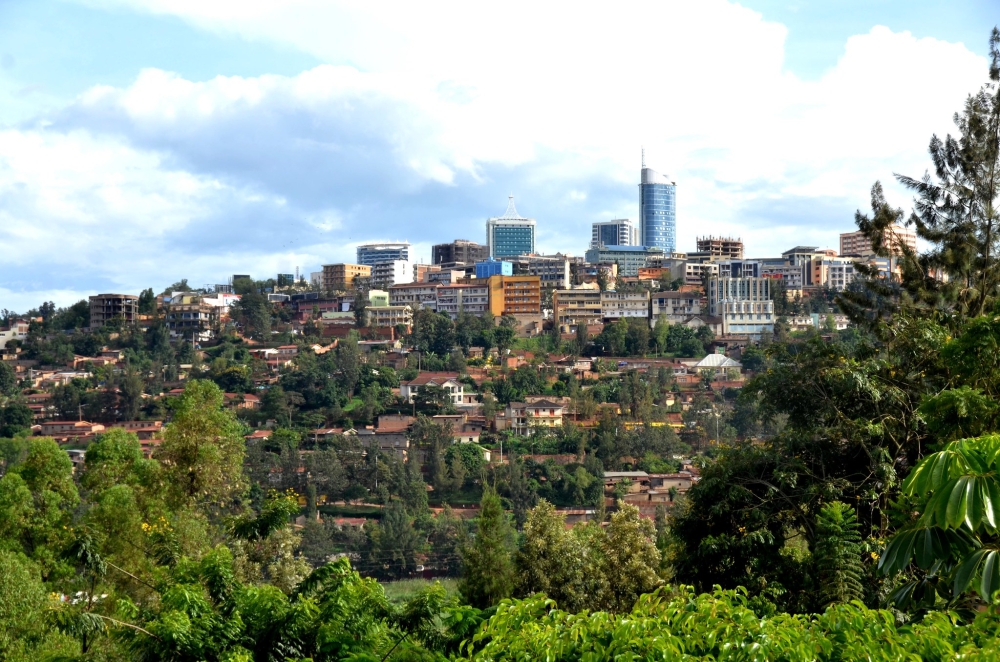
(675, 306)
(856, 244)
(473, 299)
(195, 321)
(107, 307)
(744, 304)
(515, 295)
(526, 417)
(341, 277)
(392, 272)
(834, 272)
(414, 295)
(18, 330)
(573, 307)
(696, 272)
(389, 315)
(615, 305)
(553, 270)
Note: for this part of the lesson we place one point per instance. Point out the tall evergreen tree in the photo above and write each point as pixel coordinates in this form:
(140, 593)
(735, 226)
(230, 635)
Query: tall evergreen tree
(837, 554)
(488, 574)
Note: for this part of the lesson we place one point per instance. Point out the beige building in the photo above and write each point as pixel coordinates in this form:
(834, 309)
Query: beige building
(675, 306)
(340, 277)
(196, 322)
(389, 315)
(615, 305)
(471, 299)
(573, 307)
(415, 295)
(721, 248)
(855, 243)
(107, 307)
(523, 417)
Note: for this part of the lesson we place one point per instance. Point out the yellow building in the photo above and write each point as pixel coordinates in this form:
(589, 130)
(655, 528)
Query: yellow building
(515, 295)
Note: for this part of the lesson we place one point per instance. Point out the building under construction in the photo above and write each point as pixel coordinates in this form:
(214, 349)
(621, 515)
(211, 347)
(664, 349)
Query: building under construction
(721, 248)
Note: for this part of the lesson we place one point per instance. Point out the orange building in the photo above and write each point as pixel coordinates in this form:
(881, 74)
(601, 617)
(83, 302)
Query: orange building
(515, 295)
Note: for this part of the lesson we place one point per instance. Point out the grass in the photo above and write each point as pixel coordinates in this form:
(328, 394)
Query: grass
(404, 589)
(355, 402)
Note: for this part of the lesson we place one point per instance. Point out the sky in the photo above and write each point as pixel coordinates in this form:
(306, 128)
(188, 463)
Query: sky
(146, 141)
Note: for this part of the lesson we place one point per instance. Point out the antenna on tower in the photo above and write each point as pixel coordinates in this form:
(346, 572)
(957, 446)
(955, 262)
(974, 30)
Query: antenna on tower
(643, 157)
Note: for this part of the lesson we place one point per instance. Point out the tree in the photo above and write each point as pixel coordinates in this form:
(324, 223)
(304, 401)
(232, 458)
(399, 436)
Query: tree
(202, 450)
(147, 302)
(15, 418)
(488, 569)
(394, 544)
(550, 559)
(253, 312)
(837, 555)
(8, 380)
(630, 558)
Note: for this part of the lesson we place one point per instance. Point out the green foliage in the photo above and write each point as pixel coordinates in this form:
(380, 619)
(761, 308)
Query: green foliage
(679, 624)
(488, 569)
(837, 554)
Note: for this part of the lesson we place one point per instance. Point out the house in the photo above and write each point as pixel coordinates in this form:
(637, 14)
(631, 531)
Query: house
(717, 365)
(446, 380)
(70, 430)
(241, 400)
(638, 481)
(523, 417)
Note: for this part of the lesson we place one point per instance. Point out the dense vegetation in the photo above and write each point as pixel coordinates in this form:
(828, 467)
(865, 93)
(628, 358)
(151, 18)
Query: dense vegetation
(850, 509)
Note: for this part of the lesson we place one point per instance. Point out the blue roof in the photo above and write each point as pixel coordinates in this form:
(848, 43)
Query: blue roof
(623, 248)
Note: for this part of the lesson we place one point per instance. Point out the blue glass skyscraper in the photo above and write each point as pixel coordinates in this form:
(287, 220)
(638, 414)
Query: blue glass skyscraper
(657, 211)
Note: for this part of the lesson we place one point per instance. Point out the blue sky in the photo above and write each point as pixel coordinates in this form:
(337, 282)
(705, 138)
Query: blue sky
(144, 142)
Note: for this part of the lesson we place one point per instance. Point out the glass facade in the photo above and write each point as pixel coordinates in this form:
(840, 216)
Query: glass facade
(658, 212)
(511, 240)
(372, 254)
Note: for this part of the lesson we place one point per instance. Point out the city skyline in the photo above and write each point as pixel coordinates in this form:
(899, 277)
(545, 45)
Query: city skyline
(195, 141)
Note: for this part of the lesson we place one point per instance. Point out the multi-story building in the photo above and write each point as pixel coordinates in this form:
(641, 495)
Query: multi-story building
(17, 330)
(107, 307)
(803, 256)
(619, 232)
(515, 295)
(628, 258)
(389, 315)
(788, 274)
(341, 277)
(744, 304)
(527, 417)
(675, 306)
(472, 299)
(492, 267)
(414, 295)
(510, 234)
(372, 254)
(573, 307)
(615, 305)
(446, 380)
(834, 272)
(194, 321)
(392, 272)
(739, 269)
(695, 273)
(856, 244)
(553, 270)
(657, 211)
(460, 250)
(721, 248)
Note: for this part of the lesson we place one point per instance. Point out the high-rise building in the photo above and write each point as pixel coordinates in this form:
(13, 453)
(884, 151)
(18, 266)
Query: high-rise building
(620, 232)
(393, 272)
(108, 307)
(460, 250)
(657, 210)
(371, 254)
(856, 243)
(510, 234)
(722, 248)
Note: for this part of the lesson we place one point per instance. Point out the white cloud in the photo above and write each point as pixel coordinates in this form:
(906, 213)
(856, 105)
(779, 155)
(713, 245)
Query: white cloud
(429, 114)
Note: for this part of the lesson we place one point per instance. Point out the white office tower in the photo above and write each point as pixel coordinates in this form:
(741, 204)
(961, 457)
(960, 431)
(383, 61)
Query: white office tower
(619, 232)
